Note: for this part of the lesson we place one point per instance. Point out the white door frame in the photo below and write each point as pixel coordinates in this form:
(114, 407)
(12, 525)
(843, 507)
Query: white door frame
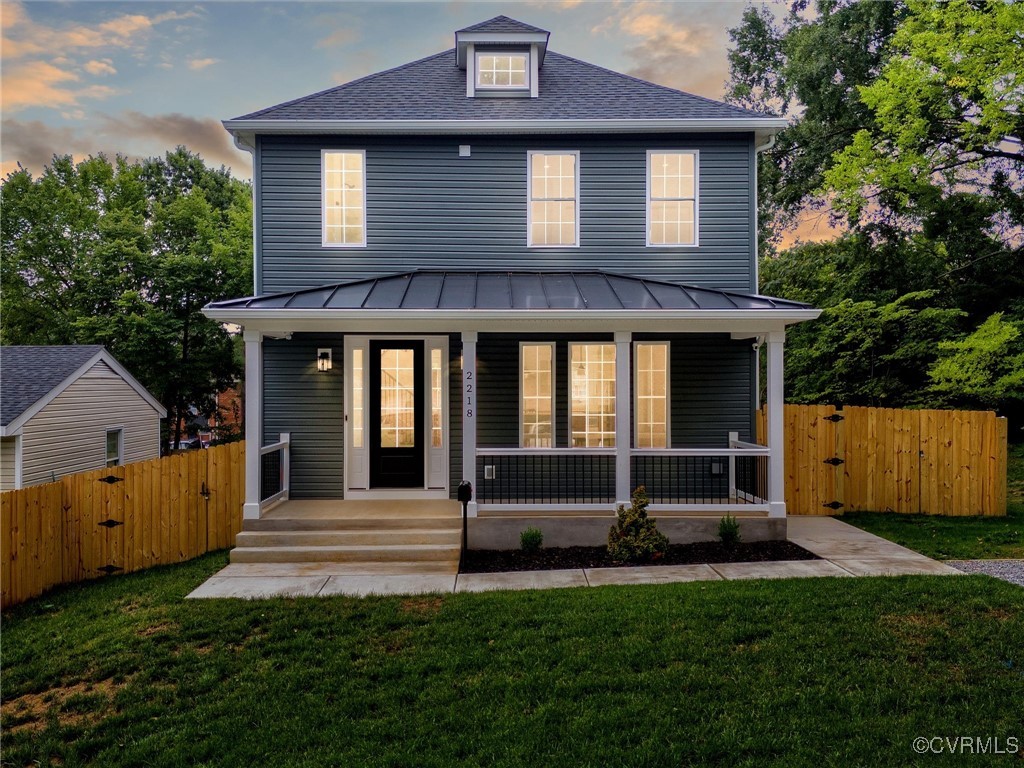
(354, 341)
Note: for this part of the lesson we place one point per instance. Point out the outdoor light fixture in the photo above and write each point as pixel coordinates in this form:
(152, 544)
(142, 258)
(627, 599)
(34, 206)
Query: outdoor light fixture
(323, 360)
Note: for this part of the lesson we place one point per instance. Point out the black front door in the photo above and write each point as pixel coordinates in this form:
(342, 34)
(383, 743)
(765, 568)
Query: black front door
(396, 414)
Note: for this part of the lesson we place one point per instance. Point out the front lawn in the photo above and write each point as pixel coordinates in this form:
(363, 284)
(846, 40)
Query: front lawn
(811, 672)
(958, 538)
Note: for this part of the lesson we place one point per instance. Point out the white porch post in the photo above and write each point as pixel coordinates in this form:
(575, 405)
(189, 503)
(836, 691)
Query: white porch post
(776, 438)
(253, 421)
(469, 403)
(623, 396)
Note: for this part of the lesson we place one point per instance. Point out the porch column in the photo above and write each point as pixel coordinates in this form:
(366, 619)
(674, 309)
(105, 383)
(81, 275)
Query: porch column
(253, 421)
(776, 438)
(623, 491)
(469, 403)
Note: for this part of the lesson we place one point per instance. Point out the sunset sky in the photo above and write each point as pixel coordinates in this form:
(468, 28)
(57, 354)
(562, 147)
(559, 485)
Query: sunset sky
(141, 77)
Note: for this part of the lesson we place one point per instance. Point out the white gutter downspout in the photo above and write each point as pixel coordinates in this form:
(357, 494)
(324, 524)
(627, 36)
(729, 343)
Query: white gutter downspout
(252, 154)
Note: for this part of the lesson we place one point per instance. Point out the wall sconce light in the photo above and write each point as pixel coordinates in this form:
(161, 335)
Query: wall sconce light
(323, 360)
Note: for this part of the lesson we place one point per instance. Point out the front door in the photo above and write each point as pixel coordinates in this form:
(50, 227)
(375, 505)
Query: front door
(396, 414)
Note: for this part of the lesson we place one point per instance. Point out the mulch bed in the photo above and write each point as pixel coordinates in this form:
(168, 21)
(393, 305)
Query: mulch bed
(556, 558)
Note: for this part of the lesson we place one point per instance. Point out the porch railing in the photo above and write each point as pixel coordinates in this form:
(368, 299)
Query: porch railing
(275, 462)
(552, 477)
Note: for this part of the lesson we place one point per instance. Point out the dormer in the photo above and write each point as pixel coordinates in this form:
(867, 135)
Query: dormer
(502, 58)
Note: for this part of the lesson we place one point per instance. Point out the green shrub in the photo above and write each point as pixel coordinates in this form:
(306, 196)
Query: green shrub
(729, 531)
(531, 539)
(635, 537)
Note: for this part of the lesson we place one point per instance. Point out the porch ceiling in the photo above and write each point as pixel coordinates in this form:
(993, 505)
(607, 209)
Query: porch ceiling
(457, 300)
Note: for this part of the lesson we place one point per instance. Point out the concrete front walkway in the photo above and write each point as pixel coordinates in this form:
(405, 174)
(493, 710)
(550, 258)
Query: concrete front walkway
(845, 551)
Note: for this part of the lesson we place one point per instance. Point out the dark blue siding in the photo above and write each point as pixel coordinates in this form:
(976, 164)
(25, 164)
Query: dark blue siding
(429, 208)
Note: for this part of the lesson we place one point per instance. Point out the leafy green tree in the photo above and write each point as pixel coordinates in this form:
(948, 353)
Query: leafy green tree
(126, 255)
(985, 367)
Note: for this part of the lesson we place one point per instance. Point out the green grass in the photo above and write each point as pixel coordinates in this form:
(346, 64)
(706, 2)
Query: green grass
(958, 538)
(812, 672)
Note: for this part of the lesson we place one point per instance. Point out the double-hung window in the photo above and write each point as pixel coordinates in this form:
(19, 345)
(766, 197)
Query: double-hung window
(536, 386)
(671, 197)
(651, 365)
(115, 447)
(553, 215)
(592, 395)
(344, 200)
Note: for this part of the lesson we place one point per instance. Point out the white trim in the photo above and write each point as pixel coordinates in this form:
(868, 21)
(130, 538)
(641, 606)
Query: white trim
(119, 429)
(469, 379)
(101, 356)
(623, 404)
(775, 421)
(724, 509)
(323, 196)
(465, 40)
(764, 125)
(760, 450)
(696, 198)
(430, 453)
(545, 451)
(543, 506)
(370, 494)
(470, 71)
(529, 198)
(19, 441)
(534, 70)
(477, 86)
(554, 377)
(668, 390)
(252, 507)
(355, 458)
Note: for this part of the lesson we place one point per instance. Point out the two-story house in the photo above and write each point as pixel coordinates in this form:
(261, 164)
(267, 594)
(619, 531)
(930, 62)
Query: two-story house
(504, 265)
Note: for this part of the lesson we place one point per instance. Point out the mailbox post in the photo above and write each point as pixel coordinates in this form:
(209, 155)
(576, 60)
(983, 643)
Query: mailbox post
(465, 496)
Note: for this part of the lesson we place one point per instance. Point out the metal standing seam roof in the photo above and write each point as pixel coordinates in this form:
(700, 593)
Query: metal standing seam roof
(434, 88)
(483, 290)
(29, 373)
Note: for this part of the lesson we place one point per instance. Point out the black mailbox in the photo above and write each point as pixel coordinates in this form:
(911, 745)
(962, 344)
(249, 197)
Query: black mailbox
(465, 491)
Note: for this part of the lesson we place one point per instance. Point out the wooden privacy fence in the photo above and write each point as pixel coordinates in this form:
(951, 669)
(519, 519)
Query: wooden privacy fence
(119, 519)
(893, 460)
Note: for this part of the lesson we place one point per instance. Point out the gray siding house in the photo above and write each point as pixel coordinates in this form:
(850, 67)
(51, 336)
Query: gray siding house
(503, 265)
(67, 409)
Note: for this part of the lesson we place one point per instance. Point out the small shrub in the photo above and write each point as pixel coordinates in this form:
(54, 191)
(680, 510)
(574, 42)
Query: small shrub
(729, 531)
(531, 539)
(635, 537)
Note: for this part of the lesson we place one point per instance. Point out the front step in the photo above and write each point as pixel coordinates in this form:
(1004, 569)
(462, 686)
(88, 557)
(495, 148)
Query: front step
(347, 554)
(328, 523)
(334, 538)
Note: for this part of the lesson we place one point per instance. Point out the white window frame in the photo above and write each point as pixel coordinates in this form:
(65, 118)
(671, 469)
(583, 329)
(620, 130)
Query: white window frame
(668, 392)
(530, 201)
(615, 399)
(478, 86)
(120, 446)
(554, 379)
(323, 197)
(696, 198)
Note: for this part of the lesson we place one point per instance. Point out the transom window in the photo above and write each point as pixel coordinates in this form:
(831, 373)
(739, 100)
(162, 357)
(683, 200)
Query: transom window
(502, 70)
(651, 369)
(592, 383)
(672, 198)
(536, 374)
(554, 198)
(114, 444)
(344, 205)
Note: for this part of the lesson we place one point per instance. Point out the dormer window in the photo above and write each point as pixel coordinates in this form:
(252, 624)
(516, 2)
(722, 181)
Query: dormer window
(502, 70)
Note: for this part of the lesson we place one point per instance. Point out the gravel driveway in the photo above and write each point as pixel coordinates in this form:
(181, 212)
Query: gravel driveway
(1007, 570)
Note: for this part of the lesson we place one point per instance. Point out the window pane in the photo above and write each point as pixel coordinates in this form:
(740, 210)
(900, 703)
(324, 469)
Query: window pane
(652, 395)
(672, 204)
(357, 398)
(436, 371)
(535, 389)
(113, 447)
(592, 372)
(501, 70)
(397, 401)
(553, 199)
(343, 198)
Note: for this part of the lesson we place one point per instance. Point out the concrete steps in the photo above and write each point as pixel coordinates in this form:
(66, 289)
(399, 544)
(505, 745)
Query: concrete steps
(371, 536)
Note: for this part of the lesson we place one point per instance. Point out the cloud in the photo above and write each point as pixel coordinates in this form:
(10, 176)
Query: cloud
(34, 143)
(41, 83)
(100, 67)
(197, 64)
(342, 36)
(203, 135)
(24, 37)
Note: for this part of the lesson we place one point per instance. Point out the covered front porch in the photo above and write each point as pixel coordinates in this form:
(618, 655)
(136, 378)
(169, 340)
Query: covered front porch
(553, 394)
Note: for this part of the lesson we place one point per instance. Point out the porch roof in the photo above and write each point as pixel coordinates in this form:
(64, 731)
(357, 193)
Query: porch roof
(508, 291)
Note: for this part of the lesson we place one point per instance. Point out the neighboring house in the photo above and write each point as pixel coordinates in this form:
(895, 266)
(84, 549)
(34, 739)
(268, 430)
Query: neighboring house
(67, 409)
(504, 265)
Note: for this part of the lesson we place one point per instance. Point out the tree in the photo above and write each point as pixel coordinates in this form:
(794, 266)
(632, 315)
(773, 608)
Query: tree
(126, 255)
(985, 367)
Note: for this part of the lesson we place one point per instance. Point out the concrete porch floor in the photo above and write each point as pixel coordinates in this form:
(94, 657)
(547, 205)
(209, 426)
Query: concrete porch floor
(845, 551)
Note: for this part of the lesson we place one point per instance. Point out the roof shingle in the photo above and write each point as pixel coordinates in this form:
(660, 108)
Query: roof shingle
(29, 373)
(502, 24)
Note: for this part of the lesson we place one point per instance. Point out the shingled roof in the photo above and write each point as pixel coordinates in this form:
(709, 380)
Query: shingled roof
(503, 24)
(29, 373)
(434, 88)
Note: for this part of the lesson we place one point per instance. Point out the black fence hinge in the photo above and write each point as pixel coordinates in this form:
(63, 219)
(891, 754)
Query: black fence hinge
(834, 505)
(110, 523)
(835, 461)
(834, 417)
(205, 492)
(109, 569)
(111, 479)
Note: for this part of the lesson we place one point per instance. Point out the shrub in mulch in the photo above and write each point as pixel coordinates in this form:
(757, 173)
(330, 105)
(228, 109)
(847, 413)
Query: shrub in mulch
(499, 560)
